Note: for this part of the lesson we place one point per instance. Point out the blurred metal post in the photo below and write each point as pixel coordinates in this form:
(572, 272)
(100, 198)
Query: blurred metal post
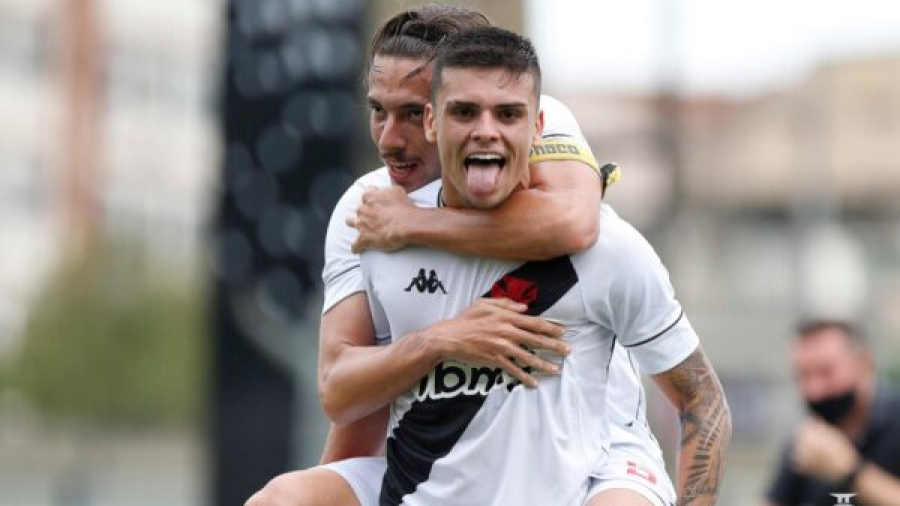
(80, 56)
(668, 104)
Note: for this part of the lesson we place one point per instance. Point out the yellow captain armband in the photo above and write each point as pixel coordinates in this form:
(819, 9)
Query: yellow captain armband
(568, 149)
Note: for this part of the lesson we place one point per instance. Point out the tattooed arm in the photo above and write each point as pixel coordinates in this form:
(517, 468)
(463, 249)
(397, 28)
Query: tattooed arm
(694, 389)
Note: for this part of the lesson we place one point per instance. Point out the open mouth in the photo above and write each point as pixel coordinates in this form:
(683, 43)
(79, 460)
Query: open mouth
(402, 173)
(403, 167)
(483, 172)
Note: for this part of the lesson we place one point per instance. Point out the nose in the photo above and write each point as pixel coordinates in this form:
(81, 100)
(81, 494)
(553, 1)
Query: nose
(485, 131)
(391, 137)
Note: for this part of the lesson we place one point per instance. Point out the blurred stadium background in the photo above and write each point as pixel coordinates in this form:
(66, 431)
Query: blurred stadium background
(167, 169)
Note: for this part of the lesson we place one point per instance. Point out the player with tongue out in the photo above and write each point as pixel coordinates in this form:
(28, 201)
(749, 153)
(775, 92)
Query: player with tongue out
(481, 131)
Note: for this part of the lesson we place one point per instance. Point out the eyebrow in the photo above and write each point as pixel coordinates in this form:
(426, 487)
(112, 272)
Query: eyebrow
(405, 105)
(505, 105)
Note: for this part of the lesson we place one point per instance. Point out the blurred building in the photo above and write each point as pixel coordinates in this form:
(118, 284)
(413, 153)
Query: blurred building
(833, 136)
(107, 122)
(781, 204)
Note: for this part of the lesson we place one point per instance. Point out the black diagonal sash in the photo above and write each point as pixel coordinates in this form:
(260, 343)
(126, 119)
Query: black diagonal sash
(431, 427)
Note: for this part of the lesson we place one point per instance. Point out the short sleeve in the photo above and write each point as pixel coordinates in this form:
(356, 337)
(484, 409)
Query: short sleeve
(560, 122)
(563, 140)
(341, 274)
(379, 318)
(629, 291)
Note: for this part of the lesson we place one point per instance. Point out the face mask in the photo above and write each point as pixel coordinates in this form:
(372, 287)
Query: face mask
(835, 408)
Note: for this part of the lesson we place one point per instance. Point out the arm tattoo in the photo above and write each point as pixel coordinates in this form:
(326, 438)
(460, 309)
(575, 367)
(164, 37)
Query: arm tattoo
(705, 430)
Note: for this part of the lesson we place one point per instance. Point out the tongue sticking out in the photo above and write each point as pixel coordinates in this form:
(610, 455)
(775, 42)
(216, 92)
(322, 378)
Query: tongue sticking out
(482, 179)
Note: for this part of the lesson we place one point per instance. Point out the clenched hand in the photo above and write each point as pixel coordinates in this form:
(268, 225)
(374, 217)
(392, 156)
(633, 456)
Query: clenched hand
(380, 218)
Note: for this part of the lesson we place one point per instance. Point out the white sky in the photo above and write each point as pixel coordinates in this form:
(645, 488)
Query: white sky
(733, 46)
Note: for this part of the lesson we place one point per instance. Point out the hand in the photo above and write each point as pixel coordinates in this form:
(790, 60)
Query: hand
(492, 332)
(379, 219)
(823, 451)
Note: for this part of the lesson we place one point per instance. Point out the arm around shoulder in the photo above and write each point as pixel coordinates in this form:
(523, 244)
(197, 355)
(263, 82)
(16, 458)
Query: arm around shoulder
(557, 215)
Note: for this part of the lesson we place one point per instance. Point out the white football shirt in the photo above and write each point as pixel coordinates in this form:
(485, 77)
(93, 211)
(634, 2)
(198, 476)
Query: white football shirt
(470, 435)
(343, 277)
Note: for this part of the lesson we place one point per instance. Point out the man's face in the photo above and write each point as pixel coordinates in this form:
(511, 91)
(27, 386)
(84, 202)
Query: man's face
(826, 364)
(484, 122)
(396, 103)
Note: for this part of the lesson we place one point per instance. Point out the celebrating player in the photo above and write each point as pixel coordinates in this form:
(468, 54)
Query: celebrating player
(554, 216)
(467, 434)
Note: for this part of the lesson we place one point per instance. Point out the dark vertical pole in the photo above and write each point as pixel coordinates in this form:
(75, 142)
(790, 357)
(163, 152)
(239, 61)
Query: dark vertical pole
(290, 116)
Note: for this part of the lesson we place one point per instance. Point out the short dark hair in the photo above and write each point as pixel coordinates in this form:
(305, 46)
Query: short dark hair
(487, 47)
(416, 33)
(814, 325)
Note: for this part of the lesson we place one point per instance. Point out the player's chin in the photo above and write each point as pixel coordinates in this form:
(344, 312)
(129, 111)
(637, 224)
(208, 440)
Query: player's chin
(485, 201)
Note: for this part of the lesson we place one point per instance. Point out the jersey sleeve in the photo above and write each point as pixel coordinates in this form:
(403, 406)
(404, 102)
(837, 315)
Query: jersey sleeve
(379, 318)
(563, 140)
(341, 274)
(629, 291)
(560, 122)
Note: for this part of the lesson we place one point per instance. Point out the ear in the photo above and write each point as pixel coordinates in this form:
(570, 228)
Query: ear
(539, 127)
(430, 133)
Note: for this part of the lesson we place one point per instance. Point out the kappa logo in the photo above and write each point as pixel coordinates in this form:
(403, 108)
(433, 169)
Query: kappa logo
(431, 284)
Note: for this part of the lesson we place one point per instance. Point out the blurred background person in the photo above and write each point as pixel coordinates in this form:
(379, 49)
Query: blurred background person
(850, 442)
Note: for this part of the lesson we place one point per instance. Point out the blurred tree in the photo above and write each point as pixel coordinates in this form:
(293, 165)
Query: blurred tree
(115, 340)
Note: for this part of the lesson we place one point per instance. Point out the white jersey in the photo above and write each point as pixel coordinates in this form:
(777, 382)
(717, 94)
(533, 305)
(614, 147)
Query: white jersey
(342, 277)
(471, 435)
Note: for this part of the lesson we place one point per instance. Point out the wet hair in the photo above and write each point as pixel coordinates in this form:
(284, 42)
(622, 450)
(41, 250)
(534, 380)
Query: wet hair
(850, 330)
(416, 33)
(487, 48)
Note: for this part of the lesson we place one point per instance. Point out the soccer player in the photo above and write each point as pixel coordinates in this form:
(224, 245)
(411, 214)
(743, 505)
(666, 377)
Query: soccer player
(554, 216)
(469, 434)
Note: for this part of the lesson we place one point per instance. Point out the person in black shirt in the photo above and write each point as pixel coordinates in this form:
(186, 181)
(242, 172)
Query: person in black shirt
(850, 443)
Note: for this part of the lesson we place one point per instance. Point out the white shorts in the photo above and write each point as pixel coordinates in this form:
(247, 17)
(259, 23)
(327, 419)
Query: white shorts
(364, 474)
(630, 466)
(633, 467)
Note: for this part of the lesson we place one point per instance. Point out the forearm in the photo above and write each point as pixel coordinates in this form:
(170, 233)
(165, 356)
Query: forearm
(365, 378)
(706, 432)
(876, 487)
(531, 225)
(362, 438)
(705, 418)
